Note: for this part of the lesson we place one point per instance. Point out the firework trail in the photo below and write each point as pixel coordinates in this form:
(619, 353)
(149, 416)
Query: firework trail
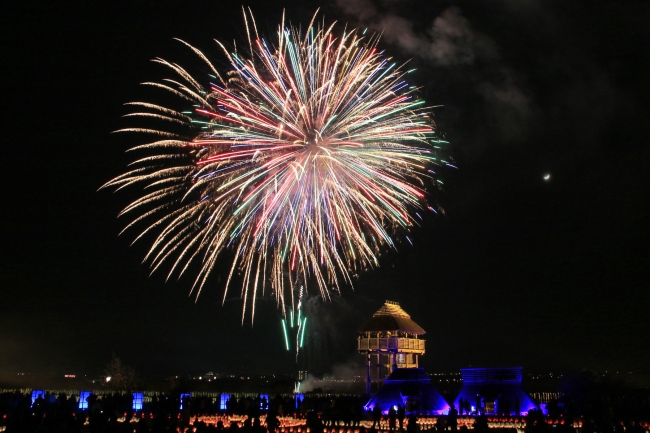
(299, 319)
(305, 159)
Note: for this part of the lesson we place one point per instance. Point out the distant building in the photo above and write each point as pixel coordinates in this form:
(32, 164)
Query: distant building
(493, 391)
(410, 388)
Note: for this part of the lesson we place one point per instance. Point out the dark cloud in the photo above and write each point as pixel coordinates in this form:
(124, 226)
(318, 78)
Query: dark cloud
(507, 106)
(530, 65)
(450, 41)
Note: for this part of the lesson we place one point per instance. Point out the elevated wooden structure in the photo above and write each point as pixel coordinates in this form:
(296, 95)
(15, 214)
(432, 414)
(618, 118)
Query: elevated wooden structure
(390, 340)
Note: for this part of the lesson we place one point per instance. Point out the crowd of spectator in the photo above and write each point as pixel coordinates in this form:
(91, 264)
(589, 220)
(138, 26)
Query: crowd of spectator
(113, 412)
(178, 413)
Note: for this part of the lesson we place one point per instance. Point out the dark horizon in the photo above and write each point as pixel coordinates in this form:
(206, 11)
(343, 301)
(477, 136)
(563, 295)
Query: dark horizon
(547, 274)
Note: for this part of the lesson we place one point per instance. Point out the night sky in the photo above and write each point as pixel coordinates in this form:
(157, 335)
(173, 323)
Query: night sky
(519, 271)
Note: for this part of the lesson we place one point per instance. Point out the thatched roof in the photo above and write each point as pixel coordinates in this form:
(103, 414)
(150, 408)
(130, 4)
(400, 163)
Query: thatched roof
(391, 317)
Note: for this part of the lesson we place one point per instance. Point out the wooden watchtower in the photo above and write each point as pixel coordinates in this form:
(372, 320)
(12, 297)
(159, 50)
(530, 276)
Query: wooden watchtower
(390, 339)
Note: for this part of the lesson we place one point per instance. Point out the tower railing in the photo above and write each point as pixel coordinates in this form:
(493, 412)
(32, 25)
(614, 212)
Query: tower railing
(402, 344)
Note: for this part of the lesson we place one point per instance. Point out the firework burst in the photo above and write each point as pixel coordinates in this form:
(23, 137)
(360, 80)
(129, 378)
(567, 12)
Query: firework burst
(305, 159)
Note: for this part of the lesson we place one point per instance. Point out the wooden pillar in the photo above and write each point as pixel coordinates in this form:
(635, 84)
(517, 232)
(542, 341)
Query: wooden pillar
(368, 372)
(378, 366)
